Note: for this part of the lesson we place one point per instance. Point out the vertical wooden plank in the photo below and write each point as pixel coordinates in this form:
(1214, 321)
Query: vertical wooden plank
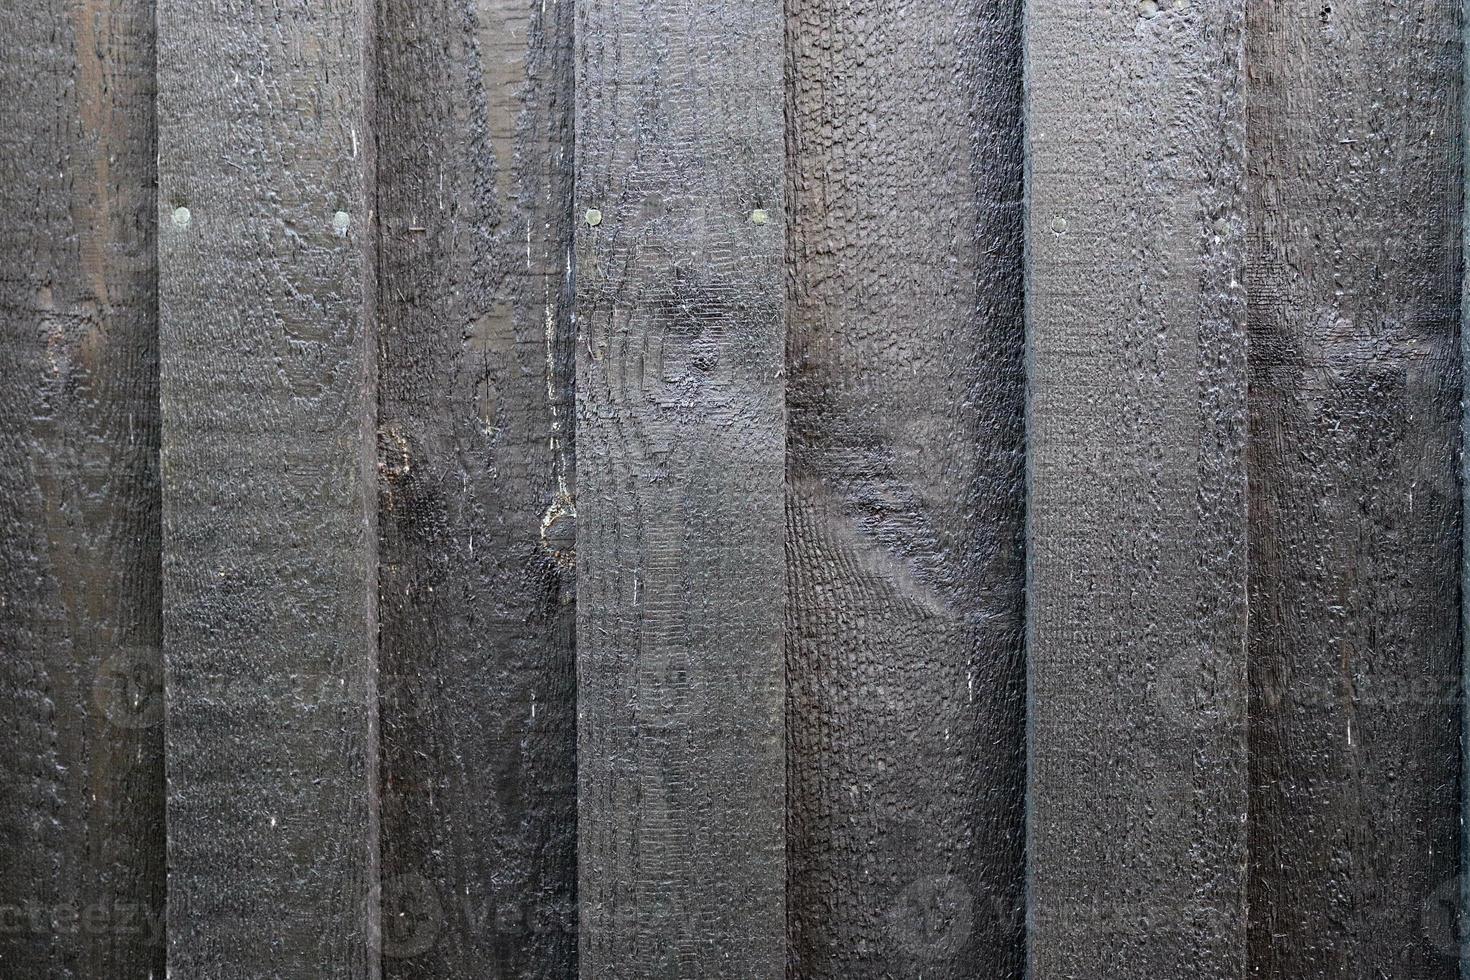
(1355, 388)
(81, 743)
(477, 517)
(906, 686)
(267, 350)
(1454, 905)
(1137, 521)
(680, 436)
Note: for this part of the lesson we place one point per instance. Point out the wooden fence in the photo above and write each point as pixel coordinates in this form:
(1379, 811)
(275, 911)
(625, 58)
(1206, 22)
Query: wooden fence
(507, 488)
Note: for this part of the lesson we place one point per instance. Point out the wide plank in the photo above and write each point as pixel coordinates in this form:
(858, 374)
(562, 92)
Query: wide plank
(1137, 489)
(906, 677)
(680, 507)
(477, 513)
(1355, 509)
(270, 581)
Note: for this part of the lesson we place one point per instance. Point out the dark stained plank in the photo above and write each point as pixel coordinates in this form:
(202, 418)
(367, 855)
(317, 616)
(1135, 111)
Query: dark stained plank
(267, 350)
(1355, 536)
(680, 515)
(476, 516)
(1453, 902)
(1137, 519)
(81, 735)
(906, 697)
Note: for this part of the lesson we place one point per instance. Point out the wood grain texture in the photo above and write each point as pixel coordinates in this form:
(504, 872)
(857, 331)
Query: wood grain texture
(81, 740)
(1454, 904)
(906, 688)
(476, 508)
(680, 456)
(1137, 520)
(268, 364)
(1355, 387)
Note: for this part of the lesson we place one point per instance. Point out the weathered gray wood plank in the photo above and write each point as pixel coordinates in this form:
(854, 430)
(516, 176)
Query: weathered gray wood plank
(906, 682)
(1354, 266)
(267, 349)
(476, 522)
(1137, 519)
(81, 741)
(680, 436)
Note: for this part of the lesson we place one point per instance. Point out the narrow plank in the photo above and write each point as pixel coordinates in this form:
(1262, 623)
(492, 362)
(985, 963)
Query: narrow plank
(1355, 387)
(906, 693)
(476, 514)
(268, 356)
(1137, 520)
(680, 456)
(1455, 902)
(81, 746)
